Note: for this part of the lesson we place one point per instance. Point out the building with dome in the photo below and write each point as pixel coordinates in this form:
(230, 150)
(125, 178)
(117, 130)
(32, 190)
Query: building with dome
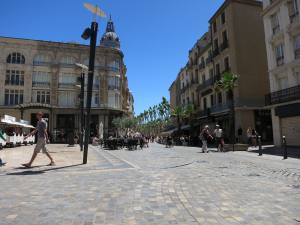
(42, 76)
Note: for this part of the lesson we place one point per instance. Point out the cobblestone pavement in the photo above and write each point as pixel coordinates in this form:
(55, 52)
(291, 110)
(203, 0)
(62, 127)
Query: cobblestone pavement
(151, 186)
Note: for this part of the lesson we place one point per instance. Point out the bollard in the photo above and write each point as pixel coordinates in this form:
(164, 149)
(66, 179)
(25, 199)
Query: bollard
(285, 153)
(259, 146)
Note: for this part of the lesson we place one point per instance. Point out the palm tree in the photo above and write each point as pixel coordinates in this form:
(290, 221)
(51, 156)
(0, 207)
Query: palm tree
(227, 84)
(189, 113)
(179, 113)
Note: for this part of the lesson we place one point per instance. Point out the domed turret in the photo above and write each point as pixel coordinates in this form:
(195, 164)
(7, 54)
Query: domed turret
(110, 38)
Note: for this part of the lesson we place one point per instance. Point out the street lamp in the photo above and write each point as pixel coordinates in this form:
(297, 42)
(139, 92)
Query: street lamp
(81, 86)
(90, 33)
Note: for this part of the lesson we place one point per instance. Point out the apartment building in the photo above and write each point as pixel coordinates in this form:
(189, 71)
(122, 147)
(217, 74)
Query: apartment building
(42, 76)
(234, 43)
(282, 36)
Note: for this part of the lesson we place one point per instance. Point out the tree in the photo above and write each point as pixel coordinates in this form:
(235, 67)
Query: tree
(178, 113)
(227, 84)
(189, 114)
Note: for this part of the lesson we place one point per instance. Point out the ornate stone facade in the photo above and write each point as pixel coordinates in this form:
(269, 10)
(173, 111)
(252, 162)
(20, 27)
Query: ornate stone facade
(42, 76)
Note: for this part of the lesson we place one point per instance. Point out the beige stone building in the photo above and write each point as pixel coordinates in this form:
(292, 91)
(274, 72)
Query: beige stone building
(282, 35)
(42, 76)
(235, 43)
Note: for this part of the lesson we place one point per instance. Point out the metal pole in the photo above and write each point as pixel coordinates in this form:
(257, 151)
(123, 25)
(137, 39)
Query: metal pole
(93, 41)
(259, 146)
(82, 111)
(285, 153)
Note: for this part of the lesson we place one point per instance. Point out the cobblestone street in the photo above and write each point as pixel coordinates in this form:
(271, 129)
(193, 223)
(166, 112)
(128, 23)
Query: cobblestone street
(159, 186)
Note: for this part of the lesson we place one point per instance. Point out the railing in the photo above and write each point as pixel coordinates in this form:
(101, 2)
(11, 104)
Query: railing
(113, 87)
(204, 113)
(220, 107)
(36, 63)
(224, 45)
(206, 84)
(297, 53)
(14, 82)
(285, 95)
(66, 85)
(40, 84)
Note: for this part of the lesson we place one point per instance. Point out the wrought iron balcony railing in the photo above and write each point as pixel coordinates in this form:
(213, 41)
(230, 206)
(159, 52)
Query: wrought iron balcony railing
(224, 45)
(285, 95)
(40, 84)
(207, 83)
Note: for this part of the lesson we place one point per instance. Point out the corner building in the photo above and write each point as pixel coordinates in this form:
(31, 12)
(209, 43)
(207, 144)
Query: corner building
(42, 76)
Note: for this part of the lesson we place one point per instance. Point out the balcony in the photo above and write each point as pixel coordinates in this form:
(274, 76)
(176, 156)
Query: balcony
(208, 60)
(113, 87)
(66, 85)
(224, 45)
(38, 63)
(297, 53)
(14, 82)
(220, 107)
(280, 60)
(40, 84)
(285, 95)
(204, 113)
(207, 83)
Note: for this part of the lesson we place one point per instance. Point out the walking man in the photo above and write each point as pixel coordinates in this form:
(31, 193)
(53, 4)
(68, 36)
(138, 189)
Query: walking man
(218, 132)
(205, 136)
(42, 140)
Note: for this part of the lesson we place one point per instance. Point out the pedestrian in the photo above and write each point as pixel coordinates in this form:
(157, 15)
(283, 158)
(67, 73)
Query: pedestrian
(249, 136)
(205, 136)
(254, 137)
(42, 140)
(240, 134)
(218, 132)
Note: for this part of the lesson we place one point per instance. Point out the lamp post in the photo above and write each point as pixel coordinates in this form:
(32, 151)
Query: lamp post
(90, 33)
(81, 86)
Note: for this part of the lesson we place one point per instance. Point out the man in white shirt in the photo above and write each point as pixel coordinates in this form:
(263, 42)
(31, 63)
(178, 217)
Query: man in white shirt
(218, 132)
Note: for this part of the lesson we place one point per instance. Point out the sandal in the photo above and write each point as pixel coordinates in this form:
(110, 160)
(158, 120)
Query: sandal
(26, 165)
(51, 164)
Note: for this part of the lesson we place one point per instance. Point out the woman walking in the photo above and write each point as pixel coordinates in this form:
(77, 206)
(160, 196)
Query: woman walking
(205, 136)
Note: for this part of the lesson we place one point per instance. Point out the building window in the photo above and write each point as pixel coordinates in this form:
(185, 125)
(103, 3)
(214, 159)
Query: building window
(211, 73)
(218, 73)
(67, 98)
(223, 18)
(279, 52)
(204, 103)
(41, 59)
(13, 97)
(68, 80)
(41, 79)
(113, 82)
(15, 58)
(226, 64)
(220, 100)
(297, 47)
(115, 64)
(275, 23)
(14, 77)
(42, 97)
(282, 83)
(203, 78)
(212, 100)
(293, 10)
(215, 27)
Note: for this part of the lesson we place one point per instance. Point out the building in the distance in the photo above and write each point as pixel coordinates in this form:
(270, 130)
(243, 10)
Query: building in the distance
(234, 43)
(42, 76)
(282, 35)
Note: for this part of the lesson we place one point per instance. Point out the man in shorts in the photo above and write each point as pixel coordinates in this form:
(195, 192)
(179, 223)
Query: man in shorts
(42, 140)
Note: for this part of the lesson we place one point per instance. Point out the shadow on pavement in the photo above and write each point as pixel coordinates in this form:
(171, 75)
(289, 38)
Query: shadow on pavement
(293, 152)
(37, 172)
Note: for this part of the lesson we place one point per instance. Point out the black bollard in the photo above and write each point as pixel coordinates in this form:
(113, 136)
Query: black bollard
(259, 146)
(285, 153)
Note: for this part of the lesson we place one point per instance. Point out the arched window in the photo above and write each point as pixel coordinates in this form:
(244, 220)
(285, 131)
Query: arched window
(15, 58)
(41, 59)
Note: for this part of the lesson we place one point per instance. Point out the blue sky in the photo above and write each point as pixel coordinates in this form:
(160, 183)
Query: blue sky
(155, 34)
